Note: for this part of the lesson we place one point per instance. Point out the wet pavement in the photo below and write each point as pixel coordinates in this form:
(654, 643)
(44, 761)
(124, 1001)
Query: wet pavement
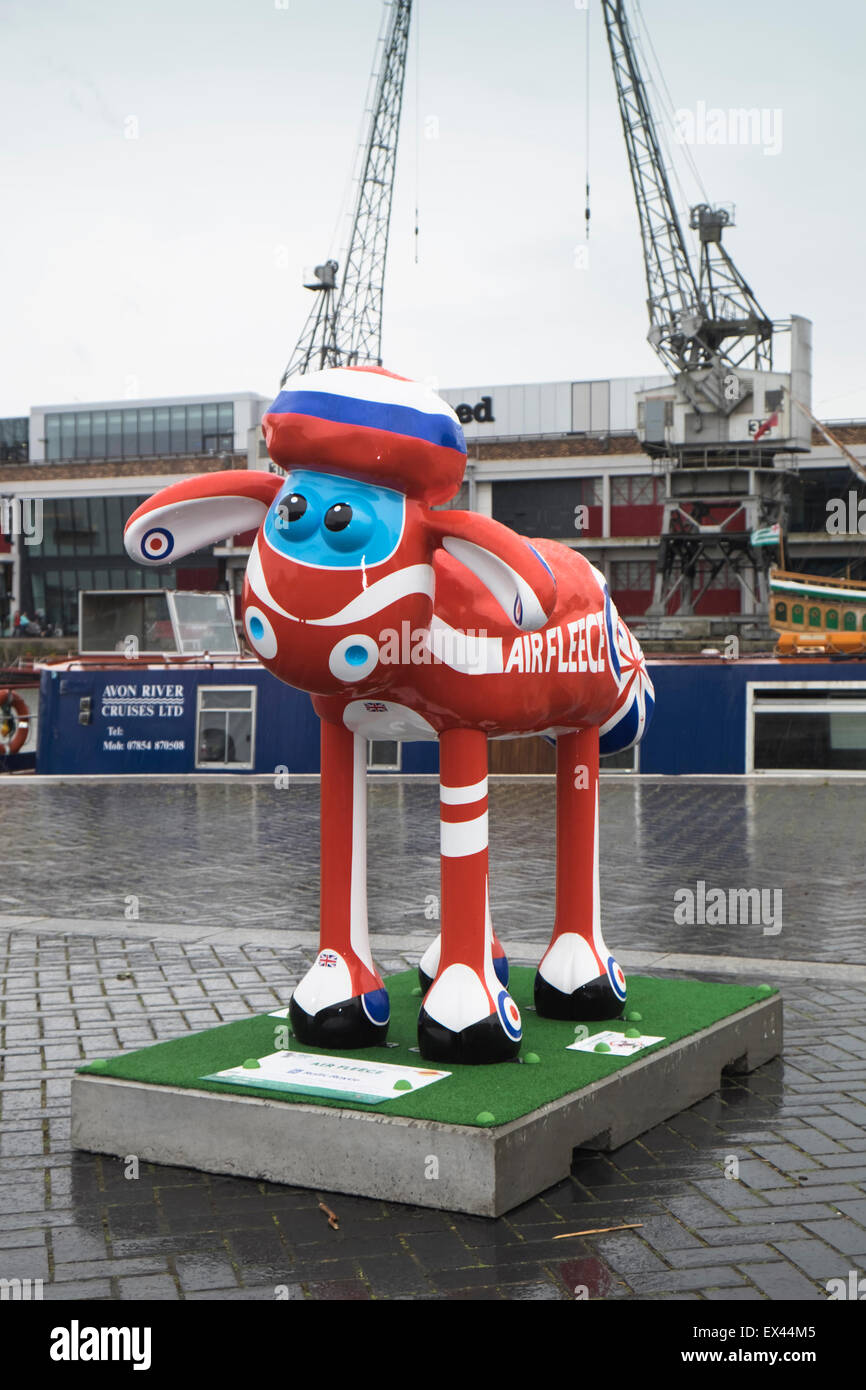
(183, 851)
(757, 1193)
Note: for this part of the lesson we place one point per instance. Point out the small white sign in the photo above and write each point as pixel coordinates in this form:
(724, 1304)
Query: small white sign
(364, 1083)
(620, 1046)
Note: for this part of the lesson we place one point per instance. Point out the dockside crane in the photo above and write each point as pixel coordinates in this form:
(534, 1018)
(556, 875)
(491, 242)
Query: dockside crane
(728, 432)
(344, 327)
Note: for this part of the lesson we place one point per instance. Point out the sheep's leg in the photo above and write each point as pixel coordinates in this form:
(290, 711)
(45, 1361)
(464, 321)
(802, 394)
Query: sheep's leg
(341, 1002)
(578, 978)
(467, 1015)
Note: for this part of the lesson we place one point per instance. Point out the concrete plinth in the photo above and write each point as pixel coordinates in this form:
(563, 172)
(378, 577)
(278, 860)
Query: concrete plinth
(484, 1171)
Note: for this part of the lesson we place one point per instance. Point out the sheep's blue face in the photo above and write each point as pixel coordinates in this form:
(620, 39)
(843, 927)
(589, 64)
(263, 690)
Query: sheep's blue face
(329, 522)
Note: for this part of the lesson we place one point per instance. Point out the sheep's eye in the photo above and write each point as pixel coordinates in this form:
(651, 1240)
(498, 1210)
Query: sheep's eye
(337, 518)
(291, 509)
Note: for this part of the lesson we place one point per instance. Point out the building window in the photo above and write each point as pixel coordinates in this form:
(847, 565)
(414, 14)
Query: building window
(631, 574)
(549, 506)
(638, 490)
(140, 433)
(225, 726)
(384, 755)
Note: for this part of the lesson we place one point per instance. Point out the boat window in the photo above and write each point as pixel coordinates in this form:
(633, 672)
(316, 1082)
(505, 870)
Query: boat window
(384, 755)
(832, 618)
(849, 622)
(225, 726)
(797, 613)
(820, 726)
(782, 612)
(814, 617)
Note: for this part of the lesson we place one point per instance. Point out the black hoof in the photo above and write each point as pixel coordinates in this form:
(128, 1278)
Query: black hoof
(339, 1026)
(590, 1003)
(480, 1043)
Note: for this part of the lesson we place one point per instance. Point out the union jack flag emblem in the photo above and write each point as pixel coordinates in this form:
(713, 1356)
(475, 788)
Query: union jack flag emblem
(375, 707)
(328, 958)
(636, 701)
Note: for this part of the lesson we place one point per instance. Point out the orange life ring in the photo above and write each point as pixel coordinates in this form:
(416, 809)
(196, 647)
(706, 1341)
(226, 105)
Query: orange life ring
(22, 722)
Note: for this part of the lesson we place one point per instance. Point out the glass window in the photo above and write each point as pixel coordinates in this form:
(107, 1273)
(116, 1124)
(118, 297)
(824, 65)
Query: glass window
(819, 741)
(82, 435)
(217, 697)
(115, 434)
(115, 515)
(832, 619)
(145, 431)
(107, 619)
(162, 437)
(52, 436)
(178, 429)
(797, 613)
(67, 436)
(814, 617)
(98, 434)
(82, 535)
(849, 622)
(99, 533)
(226, 418)
(130, 434)
(65, 527)
(384, 754)
(194, 429)
(204, 623)
(226, 721)
(781, 612)
(210, 420)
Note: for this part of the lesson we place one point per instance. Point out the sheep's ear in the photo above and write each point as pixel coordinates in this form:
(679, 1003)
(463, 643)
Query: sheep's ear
(508, 566)
(197, 512)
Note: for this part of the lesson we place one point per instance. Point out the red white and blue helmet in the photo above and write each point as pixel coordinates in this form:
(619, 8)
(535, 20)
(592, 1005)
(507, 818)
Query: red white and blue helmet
(368, 424)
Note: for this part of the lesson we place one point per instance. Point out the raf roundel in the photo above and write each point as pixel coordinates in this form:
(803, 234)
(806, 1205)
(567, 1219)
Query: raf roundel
(617, 977)
(509, 1015)
(157, 543)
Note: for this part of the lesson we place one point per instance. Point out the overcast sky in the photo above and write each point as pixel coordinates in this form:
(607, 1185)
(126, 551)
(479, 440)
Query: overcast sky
(170, 263)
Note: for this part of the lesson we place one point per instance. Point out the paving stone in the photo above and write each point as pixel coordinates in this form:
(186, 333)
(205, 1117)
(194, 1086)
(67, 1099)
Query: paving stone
(842, 1234)
(815, 1259)
(157, 1286)
(779, 1280)
(708, 1277)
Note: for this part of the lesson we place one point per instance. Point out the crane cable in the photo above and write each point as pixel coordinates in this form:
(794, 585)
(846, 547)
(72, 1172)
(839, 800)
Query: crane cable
(586, 214)
(417, 117)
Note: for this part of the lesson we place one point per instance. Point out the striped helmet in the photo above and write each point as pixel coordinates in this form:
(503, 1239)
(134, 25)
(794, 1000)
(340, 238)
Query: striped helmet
(368, 424)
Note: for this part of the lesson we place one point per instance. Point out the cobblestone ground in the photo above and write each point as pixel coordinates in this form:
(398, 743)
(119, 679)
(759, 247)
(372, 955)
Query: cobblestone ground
(78, 850)
(794, 1217)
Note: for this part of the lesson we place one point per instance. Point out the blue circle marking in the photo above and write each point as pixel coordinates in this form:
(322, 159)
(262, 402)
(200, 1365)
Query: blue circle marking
(612, 968)
(159, 554)
(509, 1015)
(356, 655)
(257, 628)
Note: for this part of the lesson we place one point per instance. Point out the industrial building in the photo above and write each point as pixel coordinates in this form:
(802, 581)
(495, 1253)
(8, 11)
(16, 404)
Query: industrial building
(558, 459)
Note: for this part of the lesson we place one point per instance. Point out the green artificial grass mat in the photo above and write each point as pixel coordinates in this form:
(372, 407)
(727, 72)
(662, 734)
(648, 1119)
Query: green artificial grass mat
(502, 1092)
